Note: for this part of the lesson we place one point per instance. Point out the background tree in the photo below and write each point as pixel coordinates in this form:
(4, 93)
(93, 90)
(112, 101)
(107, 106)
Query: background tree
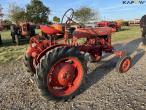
(56, 19)
(1, 14)
(6, 24)
(37, 12)
(85, 14)
(17, 13)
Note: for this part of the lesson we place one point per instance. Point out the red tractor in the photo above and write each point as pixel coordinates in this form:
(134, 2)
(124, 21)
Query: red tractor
(61, 66)
(22, 32)
(113, 24)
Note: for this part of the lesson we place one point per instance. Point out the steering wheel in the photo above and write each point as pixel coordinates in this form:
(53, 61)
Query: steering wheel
(69, 15)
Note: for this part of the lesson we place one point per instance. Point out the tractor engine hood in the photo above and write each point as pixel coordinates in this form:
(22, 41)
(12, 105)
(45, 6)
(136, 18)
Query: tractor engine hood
(93, 32)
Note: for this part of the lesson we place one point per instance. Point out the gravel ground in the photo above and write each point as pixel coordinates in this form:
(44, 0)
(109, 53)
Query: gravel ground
(105, 90)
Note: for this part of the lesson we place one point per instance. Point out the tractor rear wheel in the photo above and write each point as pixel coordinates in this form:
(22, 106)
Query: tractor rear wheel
(124, 64)
(61, 72)
(144, 40)
(17, 39)
(0, 40)
(13, 37)
(29, 63)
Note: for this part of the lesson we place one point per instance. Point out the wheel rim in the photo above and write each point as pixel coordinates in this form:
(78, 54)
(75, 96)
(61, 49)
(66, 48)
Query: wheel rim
(125, 65)
(65, 77)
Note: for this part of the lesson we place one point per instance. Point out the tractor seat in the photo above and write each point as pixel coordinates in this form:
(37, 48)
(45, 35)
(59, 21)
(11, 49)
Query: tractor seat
(49, 30)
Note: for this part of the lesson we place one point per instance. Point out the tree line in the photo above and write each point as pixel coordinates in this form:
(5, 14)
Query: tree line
(38, 13)
(35, 12)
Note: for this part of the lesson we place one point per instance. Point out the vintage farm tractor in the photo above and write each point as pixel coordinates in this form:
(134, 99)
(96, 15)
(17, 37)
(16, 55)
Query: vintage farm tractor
(113, 24)
(60, 67)
(22, 32)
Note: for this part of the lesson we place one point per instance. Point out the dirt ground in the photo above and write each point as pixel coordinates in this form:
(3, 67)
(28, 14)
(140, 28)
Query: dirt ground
(105, 90)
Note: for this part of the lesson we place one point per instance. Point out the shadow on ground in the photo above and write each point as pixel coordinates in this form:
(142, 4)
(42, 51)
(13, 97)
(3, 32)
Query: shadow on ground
(107, 66)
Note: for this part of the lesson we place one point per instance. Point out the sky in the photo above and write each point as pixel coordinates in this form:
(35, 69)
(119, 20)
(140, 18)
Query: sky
(107, 9)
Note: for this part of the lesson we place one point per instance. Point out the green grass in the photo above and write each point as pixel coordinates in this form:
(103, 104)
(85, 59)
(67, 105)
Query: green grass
(10, 51)
(126, 33)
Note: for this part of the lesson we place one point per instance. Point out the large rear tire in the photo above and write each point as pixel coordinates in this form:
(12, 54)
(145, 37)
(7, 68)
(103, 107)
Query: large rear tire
(13, 37)
(17, 40)
(144, 40)
(61, 73)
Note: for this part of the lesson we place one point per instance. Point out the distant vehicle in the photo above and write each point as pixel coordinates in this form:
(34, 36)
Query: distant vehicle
(22, 32)
(113, 24)
(90, 25)
(143, 29)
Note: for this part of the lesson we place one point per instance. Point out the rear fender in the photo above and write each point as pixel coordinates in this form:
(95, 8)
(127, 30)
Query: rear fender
(48, 49)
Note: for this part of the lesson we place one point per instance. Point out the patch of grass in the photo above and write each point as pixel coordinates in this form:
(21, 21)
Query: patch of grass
(10, 51)
(126, 33)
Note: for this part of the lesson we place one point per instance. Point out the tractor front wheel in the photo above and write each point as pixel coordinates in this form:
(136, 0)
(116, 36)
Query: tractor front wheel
(61, 72)
(30, 64)
(124, 64)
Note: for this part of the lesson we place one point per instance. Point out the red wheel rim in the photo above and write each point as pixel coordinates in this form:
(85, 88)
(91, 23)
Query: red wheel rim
(57, 82)
(125, 65)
